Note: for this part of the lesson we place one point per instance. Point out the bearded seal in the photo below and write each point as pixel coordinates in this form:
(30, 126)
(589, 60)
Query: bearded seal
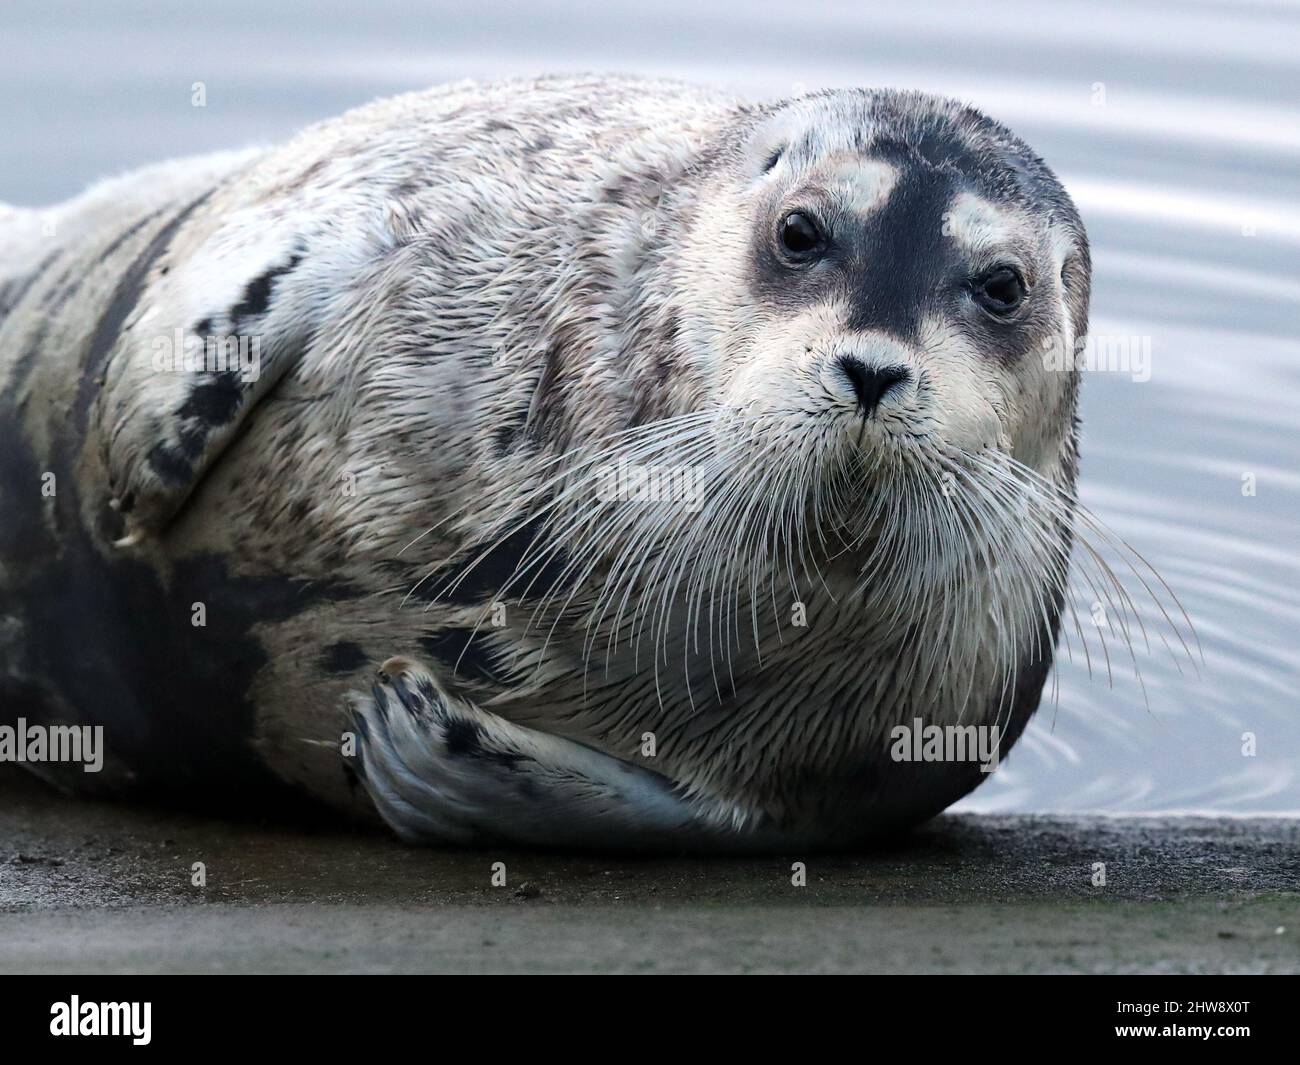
(583, 462)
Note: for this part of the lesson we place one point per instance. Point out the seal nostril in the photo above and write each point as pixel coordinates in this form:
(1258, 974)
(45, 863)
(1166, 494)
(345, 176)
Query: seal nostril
(871, 384)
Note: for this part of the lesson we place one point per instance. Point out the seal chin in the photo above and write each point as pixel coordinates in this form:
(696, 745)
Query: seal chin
(886, 439)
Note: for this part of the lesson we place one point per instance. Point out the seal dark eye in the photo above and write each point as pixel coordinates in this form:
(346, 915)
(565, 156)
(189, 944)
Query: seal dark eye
(1000, 291)
(800, 236)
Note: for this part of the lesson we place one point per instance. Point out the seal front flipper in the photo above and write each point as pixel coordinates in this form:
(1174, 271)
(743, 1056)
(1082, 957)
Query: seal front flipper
(441, 770)
(248, 285)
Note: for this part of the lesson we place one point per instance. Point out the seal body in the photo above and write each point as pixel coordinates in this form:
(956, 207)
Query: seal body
(589, 462)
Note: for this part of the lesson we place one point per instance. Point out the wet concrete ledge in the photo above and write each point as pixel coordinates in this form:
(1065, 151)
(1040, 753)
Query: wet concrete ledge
(99, 887)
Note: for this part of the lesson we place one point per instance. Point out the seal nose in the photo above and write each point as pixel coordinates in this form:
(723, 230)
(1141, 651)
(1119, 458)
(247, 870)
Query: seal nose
(871, 384)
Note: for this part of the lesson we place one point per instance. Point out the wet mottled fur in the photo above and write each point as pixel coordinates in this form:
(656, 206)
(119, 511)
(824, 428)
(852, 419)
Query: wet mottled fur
(450, 290)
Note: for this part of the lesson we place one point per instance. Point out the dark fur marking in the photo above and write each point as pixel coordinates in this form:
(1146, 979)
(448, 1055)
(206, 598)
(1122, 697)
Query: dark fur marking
(460, 652)
(13, 291)
(127, 234)
(894, 266)
(343, 657)
(666, 358)
(192, 439)
(13, 294)
(464, 739)
(906, 265)
(170, 464)
(172, 697)
(68, 284)
(504, 759)
(27, 360)
(123, 301)
(546, 399)
(257, 293)
(215, 400)
(476, 576)
(509, 431)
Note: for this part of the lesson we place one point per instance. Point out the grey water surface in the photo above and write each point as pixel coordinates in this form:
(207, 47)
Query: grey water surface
(1176, 127)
